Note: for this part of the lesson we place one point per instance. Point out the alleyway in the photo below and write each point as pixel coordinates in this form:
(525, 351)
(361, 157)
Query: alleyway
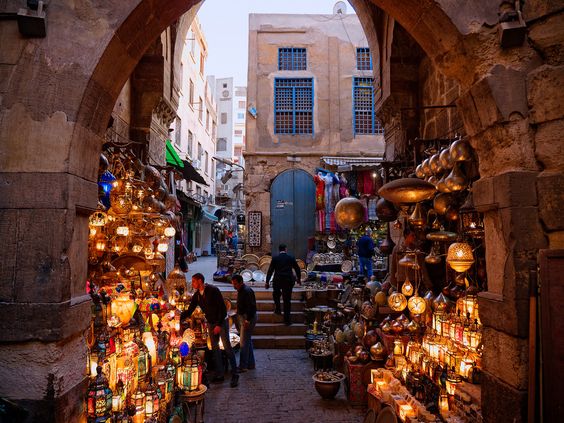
(280, 389)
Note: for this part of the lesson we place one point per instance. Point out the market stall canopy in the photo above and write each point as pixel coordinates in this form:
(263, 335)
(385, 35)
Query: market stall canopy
(209, 217)
(350, 163)
(185, 167)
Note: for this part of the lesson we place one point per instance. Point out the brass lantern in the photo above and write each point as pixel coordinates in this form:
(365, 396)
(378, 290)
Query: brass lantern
(407, 288)
(99, 404)
(471, 221)
(349, 213)
(417, 218)
(460, 256)
(151, 400)
(397, 301)
(416, 305)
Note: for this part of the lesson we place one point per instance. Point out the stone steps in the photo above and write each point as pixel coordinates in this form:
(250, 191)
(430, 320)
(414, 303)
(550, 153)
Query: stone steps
(280, 329)
(278, 342)
(270, 317)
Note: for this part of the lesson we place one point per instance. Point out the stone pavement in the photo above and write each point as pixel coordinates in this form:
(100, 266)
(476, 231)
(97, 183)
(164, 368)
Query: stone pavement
(280, 389)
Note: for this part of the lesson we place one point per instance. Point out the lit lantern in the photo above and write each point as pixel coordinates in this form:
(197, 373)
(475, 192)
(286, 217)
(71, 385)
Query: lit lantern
(398, 347)
(138, 399)
(460, 256)
(406, 411)
(151, 400)
(443, 403)
(416, 305)
(407, 288)
(162, 246)
(465, 366)
(470, 305)
(142, 360)
(123, 307)
(98, 219)
(117, 403)
(452, 381)
(397, 301)
(149, 342)
(189, 375)
(101, 243)
(99, 398)
(122, 231)
(169, 232)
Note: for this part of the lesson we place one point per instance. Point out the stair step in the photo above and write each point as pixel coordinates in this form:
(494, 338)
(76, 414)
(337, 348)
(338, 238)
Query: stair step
(268, 305)
(261, 294)
(280, 329)
(278, 342)
(270, 317)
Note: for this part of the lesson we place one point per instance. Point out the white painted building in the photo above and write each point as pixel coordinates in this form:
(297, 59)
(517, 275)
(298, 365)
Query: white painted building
(194, 133)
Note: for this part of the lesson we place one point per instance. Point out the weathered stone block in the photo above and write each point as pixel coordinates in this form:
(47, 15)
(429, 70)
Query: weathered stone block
(511, 189)
(522, 228)
(543, 80)
(8, 254)
(551, 198)
(502, 403)
(515, 321)
(535, 8)
(549, 146)
(42, 273)
(547, 37)
(505, 357)
(556, 240)
(19, 322)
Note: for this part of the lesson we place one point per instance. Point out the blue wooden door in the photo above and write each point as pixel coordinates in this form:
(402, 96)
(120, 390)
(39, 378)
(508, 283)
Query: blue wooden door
(292, 211)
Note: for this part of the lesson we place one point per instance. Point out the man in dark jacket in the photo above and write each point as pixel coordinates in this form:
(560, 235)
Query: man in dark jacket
(210, 300)
(365, 250)
(247, 318)
(282, 266)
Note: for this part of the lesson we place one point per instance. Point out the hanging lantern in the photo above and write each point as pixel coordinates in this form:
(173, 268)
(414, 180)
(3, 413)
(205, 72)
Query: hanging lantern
(442, 185)
(434, 164)
(426, 168)
(456, 181)
(387, 246)
(138, 400)
(151, 400)
(434, 256)
(412, 326)
(162, 246)
(416, 305)
(169, 232)
(349, 213)
(460, 256)
(471, 221)
(460, 151)
(117, 403)
(122, 230)
(189, 375)
(407, 288)
(442, 202)
(452, 381)
(101, 243)
(409, 260)
(385, 210)
(397, 301)
(99, 398)
(142, 359)
(441, 236)
(440, 303)
(417, 218)
(419, 172)
(98, 219)
(407, 190)
(398, 347)
(445, 159)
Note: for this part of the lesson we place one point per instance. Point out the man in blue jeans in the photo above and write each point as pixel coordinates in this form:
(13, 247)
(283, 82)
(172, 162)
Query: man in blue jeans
(365, 250)
(210, 300)
(247, 318)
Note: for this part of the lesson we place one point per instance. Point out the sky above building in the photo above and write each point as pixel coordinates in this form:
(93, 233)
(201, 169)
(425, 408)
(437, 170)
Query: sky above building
(226, 27)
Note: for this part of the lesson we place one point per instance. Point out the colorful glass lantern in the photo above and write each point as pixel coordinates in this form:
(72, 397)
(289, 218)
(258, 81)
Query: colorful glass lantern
(460, 256)
(452, 381)
(151, 400)
(162, 246)
(169, 232)
(142, 360)
(122, 230)
(123, 306)
(189, 375)
(138, 400)
(398, 347)
(99, 402)
(149, 341)
(443, 402)
(416, 305)
(397, 301)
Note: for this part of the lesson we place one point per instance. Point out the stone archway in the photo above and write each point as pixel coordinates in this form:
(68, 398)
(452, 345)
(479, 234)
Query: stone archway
(57, 94)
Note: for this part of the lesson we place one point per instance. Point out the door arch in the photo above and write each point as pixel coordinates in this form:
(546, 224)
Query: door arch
(292, 211)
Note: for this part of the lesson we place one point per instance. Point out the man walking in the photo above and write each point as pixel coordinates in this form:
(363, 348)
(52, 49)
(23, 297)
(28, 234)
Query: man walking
(282, 266)
(365, 250)
(210, 300)
(247, 318)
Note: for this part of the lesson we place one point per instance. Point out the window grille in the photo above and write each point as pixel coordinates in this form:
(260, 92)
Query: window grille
(365, 121)
(363, 58)
(293, 106)
(290, 58)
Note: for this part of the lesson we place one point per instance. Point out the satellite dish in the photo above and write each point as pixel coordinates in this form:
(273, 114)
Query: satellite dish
(340, 8)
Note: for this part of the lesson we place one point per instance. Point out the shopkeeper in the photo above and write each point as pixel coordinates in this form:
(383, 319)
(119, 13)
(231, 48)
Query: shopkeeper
(210, 300)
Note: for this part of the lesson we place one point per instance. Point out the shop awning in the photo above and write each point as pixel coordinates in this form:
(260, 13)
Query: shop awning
(191, 174)
(353, 162)
(172, 157)
(208, 217)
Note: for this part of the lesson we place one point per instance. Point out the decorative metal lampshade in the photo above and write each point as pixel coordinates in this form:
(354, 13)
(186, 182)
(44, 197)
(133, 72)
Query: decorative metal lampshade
(397, 301)
(417, 219)
(123, 306)
(409, 260)
(151, 400)
(99, 403)
(349, 213)
(456, 181)
(407, 288)
(434, 256)
(445, 159)
(138, 400)
(460, 256)
(416, 305)
(460, 151)
(471, 221)
(407, 190)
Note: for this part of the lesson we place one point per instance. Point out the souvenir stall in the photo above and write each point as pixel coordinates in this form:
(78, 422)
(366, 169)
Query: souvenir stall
(143, 366)
(410, 347)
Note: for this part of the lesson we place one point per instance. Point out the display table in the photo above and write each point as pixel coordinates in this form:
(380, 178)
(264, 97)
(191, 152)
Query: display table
(193, 404)
(357, 380)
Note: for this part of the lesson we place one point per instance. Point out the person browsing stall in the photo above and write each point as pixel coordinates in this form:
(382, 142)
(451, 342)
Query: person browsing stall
(210, 300)
(247, 318)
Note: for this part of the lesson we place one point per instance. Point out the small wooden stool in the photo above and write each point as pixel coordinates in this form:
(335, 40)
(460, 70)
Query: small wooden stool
(193, 403)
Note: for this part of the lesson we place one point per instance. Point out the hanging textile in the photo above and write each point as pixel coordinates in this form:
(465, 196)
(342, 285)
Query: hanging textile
(319, 192)
(372, 209)
(343, 190)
